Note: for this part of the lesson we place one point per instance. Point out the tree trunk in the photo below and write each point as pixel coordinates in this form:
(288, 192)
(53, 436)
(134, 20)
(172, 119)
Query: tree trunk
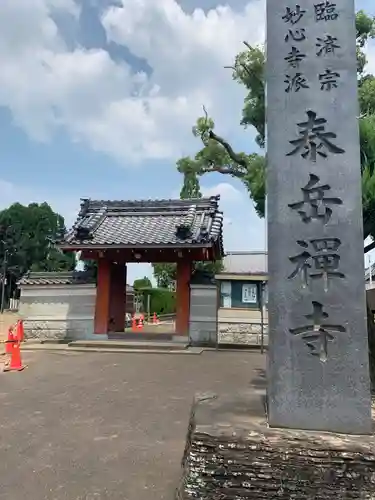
(371, 341)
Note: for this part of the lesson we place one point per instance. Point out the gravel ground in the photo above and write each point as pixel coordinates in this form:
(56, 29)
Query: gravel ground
(84, 426)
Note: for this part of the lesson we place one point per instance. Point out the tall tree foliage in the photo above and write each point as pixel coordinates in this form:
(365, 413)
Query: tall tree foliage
(27, 236)
(217, 155)
(141, 283)
(165, 273)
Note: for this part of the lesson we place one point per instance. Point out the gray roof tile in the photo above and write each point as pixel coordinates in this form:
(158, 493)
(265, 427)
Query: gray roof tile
(148, 222)
(61, 278)
(57, 278)
(245, 263)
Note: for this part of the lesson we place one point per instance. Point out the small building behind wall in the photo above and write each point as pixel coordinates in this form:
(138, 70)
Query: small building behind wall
(242, 314)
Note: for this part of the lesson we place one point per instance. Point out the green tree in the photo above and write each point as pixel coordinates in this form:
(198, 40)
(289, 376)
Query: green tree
(190, 187)
(217, 155)
(27, 237)
(165, 273)
(142, 283)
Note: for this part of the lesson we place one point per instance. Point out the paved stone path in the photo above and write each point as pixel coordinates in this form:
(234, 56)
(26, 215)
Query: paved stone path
(97, 426)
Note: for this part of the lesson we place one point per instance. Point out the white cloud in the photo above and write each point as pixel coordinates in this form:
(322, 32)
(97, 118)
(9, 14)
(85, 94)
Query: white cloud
(370, 54)
(102, 102)
(227, 192)
(49, 87)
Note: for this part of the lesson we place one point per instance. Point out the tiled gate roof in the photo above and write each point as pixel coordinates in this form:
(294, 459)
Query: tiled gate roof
(147, 223)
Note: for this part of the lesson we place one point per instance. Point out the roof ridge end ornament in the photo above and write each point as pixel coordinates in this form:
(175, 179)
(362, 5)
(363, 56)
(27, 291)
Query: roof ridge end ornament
(183, 230)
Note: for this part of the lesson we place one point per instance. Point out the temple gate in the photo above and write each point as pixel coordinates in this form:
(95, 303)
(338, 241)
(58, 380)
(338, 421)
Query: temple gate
(115, 233)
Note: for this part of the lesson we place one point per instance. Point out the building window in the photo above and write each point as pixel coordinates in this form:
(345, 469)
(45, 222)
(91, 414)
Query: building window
(249, 293)
(239, 294)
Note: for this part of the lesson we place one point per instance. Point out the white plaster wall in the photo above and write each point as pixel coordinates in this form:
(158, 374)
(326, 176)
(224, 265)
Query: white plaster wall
(58, 312)
(234, 315)
(59, 302)
(203, 315)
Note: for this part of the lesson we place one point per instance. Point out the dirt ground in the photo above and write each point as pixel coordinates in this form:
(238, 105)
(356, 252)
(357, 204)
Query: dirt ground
(6, 320)
(99, 426)
(150, 328)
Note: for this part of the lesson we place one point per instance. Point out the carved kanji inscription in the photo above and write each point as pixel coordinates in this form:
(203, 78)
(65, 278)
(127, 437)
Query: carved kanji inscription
(329, 80)
(319, 260)
(325, 11)
(295, 57)
(316, 332)
(314, 204)
(293, 15)
(314, 139)
(327, 45)
(294, 83)
(297, 35)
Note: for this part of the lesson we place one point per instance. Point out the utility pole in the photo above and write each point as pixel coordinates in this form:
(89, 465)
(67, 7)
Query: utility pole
(262, 303)
(2, 304)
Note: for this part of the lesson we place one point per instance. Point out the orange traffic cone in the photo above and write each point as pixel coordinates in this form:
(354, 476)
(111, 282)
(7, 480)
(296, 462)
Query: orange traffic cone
(154, 319)
(134, 323)
(140, 323)
(15, 359)
(9, 341)
(20, 333)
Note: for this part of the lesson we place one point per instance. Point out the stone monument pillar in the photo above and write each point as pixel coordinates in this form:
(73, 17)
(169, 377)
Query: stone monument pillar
(318, 350)
(318, 374)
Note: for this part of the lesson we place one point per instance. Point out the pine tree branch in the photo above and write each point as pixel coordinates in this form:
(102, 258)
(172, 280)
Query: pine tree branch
(247, 70)
(223, 170)
(228, 148)
(243, 66)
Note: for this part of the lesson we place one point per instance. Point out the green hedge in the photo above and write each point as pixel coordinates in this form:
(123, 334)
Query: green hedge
(163, 301)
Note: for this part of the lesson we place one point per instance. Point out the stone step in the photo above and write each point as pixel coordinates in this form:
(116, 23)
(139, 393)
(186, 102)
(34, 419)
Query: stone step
(130, 345)
(64, 348)
(140, 337)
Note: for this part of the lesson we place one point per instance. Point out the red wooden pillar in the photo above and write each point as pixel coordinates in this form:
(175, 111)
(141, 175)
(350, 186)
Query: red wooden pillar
(183, 297)
(103, 290)
(117, 298)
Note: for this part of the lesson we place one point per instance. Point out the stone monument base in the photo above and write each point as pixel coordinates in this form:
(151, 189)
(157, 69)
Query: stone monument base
(231, 453)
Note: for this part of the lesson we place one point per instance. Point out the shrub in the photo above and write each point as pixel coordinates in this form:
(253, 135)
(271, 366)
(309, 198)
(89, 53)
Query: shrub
(162, 301)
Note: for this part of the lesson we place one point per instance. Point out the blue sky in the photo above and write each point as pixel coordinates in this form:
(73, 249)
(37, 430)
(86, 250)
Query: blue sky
(98, 97)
